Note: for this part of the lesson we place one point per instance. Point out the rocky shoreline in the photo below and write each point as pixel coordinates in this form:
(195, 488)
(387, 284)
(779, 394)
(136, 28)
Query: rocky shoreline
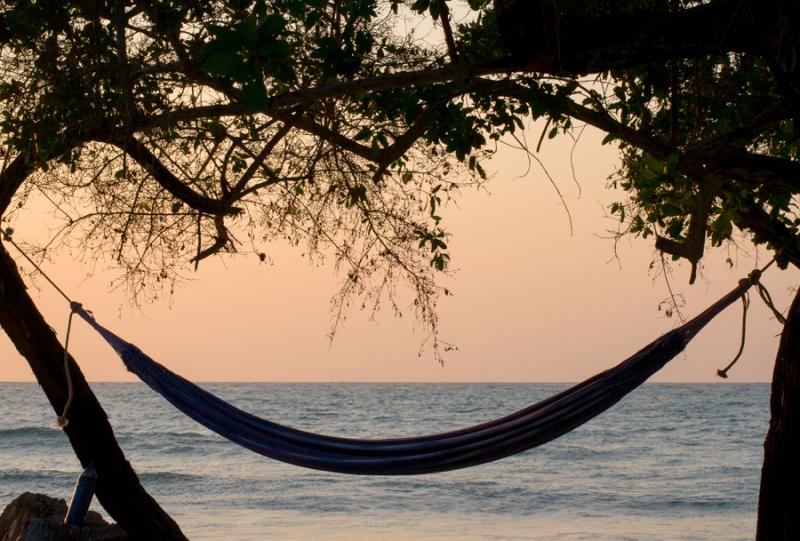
(38, 517)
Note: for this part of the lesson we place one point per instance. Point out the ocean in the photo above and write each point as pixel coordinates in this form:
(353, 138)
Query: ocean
(669, 462)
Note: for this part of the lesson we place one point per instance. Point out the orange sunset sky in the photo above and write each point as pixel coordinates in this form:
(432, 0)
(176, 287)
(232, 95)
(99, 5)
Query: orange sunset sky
(531, 302)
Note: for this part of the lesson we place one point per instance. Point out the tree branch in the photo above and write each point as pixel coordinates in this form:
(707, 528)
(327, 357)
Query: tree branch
(150, 163)
(741, 137)
(328, 135)
(444, 18)
(759, 169)
(540, 38)
(221, 240)
(258, 160)
(765, 229)
(693, 246)
(12, 178)
(281, 102)
(403, 143)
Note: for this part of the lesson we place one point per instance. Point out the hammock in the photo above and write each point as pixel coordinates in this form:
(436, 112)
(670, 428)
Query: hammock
(517, 432)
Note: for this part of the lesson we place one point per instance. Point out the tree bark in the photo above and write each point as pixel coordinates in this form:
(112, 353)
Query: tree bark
(118, 488)
(544, 37)
(779, 501)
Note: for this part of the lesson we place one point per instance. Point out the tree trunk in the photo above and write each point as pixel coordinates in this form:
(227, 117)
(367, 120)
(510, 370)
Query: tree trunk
(90, 434)
(779, 501)
(542, 36)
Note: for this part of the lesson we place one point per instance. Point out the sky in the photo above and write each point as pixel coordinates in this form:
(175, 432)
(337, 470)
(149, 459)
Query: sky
(531, 301)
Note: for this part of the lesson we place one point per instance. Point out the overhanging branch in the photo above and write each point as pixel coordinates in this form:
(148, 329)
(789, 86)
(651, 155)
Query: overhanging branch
(546, 40)
(161, 174)
(281, 102)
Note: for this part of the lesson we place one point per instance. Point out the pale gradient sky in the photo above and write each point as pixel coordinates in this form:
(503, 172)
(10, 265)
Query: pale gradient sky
(531, 302)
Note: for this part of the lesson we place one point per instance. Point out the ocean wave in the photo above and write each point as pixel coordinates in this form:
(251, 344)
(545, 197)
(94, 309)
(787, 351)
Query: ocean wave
(31, 476)
(29, 431)
(170, 442)
(170, 477)
(673, 505)
(207, 435)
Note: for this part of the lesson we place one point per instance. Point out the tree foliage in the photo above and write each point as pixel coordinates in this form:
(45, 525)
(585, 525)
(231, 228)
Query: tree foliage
(725, 140)
(165, 132)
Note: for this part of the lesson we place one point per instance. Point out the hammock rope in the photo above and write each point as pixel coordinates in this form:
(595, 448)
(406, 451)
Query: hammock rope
(492, 440)
(767, 298)
(61, 420)
(723, 372)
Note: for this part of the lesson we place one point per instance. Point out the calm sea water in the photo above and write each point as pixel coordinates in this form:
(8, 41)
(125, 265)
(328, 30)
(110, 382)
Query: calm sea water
(671, 461)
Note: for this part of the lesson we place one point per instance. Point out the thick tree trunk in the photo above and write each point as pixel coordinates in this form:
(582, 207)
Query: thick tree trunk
(542, 36)
(779, 501)
(118, 488)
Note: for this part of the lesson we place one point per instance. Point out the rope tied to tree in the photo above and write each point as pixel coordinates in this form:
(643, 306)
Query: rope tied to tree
(723, 373)
(7, 237)
(753, 278)
(767, 298)
(61, 420)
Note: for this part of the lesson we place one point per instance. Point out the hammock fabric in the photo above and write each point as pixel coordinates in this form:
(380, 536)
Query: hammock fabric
(517, 432)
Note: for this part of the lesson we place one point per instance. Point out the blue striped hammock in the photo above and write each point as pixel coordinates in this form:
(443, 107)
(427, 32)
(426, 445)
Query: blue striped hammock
(493, 440)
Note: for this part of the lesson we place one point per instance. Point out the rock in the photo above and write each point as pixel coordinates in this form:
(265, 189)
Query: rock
(38, 517)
